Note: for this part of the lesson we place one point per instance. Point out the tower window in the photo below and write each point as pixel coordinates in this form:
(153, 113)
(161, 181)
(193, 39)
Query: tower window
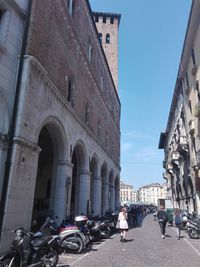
(96, 19)
(100, 37)
(104, 19)
(112, 20)
(107, 38)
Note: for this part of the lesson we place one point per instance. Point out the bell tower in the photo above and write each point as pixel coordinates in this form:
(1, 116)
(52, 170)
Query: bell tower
(107, 26)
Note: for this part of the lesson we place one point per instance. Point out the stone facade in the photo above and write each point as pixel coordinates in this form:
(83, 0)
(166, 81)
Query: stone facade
(151, 193)
(66, 151)
(181, 141)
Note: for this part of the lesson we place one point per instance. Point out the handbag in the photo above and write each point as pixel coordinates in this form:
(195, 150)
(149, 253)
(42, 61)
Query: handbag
(117, 224)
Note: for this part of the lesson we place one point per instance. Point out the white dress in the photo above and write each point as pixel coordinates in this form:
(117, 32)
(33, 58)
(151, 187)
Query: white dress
(123, 221)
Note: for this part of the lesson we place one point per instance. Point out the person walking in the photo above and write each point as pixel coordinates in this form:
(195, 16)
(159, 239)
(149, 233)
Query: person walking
(162, 220)
(123, 225)
(178, 222)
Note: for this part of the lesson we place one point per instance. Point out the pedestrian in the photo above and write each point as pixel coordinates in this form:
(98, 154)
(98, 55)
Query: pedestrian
(178, 222)
(162, 220)
(123, 225)
(154, 214)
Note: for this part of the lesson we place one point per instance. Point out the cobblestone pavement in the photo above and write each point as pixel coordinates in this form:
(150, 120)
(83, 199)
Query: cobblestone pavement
(144, 248)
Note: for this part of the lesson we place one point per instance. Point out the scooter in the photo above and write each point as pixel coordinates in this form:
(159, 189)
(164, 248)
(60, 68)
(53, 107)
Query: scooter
(31, 250)
(71, 239)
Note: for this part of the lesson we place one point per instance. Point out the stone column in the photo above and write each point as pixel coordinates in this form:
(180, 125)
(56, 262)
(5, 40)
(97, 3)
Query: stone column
(62, 189)
(105, 197)
(97, 195)
(84, 191)
(112, 197)
(3, 154)
(20, 195)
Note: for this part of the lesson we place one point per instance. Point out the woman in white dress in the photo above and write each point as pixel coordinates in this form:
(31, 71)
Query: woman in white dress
(123, 225)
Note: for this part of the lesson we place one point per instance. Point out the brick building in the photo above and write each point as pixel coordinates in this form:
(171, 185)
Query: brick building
(66, 141)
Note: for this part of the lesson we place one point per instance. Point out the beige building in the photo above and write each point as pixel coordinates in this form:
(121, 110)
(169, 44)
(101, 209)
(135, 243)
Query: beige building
(127, 193)
(181, 139)
(152, 192)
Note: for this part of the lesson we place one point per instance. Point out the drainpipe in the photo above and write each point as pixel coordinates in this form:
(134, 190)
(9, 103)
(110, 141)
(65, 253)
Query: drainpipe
(14, 118)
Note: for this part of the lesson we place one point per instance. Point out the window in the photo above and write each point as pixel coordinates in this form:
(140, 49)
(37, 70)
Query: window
(112, 20)
(90, 53)
(70, 5)
(99, 131)
(107, 38)
(187, 79)
(193, 57)
(100, 37)
(104, 19)
(87, 111)
(69, 85)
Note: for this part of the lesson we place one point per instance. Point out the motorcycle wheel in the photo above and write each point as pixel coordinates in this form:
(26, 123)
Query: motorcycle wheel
(8, 262)
(51, 259)
(79, 243)
(107, 233)
(193, 234)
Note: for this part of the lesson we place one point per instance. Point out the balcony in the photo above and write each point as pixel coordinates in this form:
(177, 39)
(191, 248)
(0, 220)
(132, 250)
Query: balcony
(191, 126)
(182, 144)
(175, 156)
(197, 110)
(194, 69)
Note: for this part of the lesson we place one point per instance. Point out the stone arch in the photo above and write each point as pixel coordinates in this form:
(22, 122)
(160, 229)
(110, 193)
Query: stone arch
(51, 175)
(80, 170)
(58, 134)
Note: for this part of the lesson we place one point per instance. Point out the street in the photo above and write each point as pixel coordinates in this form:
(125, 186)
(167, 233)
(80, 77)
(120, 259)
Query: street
(143, 247)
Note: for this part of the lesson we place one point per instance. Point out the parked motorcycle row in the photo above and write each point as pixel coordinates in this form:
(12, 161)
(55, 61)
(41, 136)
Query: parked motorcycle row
(43, 247)
(191, 224)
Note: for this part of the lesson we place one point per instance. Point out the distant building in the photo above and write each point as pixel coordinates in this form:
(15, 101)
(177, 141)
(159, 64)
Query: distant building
(127, 193)
(152, 192)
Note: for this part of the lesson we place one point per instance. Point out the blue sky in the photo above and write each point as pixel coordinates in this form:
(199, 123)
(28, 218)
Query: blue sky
(151, 36)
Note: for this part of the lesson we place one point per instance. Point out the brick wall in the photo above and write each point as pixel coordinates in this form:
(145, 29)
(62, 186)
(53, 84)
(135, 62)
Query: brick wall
(60, 42)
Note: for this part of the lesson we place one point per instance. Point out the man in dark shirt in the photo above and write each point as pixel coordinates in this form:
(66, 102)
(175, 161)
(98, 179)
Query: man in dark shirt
(162, 220)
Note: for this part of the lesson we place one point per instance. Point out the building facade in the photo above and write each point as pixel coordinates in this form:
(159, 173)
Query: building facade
(66, 143)
(181, 141)
(151, 193)
(127, 193)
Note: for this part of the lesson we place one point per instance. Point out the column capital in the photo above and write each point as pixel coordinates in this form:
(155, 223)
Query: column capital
(85, 172)
(65, 162)
(26, 143)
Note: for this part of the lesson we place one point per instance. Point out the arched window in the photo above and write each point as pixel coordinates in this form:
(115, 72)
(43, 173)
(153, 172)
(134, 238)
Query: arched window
(107, 38)
(87, 111)
(70, 5)
(100, 37)
(90, 53)
(99, 131)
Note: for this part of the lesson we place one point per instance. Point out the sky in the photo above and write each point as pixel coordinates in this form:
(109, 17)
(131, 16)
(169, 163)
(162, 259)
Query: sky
(151, 37)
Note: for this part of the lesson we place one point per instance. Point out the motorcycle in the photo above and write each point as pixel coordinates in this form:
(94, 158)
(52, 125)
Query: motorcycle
(71, 239)
(193, 229)
(31, 250)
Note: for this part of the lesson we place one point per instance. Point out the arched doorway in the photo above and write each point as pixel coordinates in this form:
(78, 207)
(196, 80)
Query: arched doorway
(77, 191)
(50, 192)
(42, 197)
